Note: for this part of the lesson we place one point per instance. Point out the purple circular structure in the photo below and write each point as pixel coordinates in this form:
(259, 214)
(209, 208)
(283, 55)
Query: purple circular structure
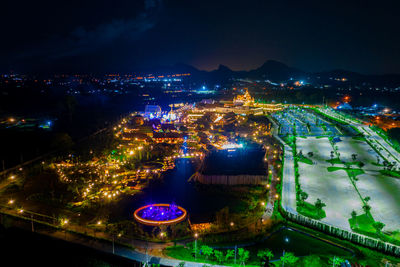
(160, 214)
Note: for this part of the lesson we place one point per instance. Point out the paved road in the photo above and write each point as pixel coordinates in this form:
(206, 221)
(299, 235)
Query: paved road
(122, 251)
(387, 150)
(288, 182)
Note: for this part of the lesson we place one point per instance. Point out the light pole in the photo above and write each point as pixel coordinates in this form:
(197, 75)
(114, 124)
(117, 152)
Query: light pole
(65, 222)
(195, 245)
(33, 230)
(113, 244)
(235, 253)
(147, 259)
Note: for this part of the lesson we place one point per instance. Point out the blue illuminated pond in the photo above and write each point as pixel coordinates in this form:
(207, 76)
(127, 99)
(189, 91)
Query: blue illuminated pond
(160, 214)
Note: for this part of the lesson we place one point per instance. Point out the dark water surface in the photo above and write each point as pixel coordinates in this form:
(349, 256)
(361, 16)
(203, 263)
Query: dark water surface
(201, 204)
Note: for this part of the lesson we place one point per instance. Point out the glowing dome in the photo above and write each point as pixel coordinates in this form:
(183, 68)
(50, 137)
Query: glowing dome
(160, 214)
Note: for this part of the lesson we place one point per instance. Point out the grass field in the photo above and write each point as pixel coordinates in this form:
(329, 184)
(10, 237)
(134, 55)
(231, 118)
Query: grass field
(332, 186)
(343, 182)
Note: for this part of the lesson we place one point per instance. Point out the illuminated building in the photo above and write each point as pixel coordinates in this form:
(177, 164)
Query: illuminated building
(169, 137)
(245, 100)
(152, 111)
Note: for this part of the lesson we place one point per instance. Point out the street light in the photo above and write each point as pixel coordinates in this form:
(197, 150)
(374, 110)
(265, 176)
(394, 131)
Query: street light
(195, 245)
(11, 201)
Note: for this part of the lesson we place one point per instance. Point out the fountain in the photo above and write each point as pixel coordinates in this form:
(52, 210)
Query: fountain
(160, 214)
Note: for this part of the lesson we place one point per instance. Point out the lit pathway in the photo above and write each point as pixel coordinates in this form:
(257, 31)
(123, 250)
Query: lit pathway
(387, 149)
(122, 251)
(288, 182)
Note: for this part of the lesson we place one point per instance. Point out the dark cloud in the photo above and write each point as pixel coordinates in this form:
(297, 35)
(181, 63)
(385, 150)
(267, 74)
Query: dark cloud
(123, 35)
(84, 40)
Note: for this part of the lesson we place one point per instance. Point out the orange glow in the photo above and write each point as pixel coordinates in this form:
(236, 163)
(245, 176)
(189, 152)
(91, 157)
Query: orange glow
(346, 99)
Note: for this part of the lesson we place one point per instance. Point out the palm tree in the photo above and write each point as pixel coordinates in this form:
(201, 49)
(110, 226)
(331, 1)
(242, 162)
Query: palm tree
(207, 251)
(303, 196)
(378, 227)
(385, 163)
(243, 256)
(366, 208)
(336, 261)
(319, 204)
(289, 258)
(229, 254)
(219, 255)
(265, 256)
(353, 214)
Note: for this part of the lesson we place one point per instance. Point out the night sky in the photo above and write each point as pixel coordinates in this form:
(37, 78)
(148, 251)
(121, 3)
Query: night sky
(123, 36)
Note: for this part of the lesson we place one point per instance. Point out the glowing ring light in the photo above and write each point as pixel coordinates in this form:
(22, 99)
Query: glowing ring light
(140, 212)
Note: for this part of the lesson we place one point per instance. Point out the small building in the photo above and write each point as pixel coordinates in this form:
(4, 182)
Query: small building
(167, 137)
(152, 111)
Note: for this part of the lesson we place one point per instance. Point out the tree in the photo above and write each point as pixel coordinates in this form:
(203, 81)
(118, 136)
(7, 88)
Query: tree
(354, 157)
(312, 261)
(385, 163)
(229, 254)
(336, 261)
(243, 256)
(289, 258)
(303, 196)
(366, 208)
(207, 251)
(265, 256)
(319, 204)
(219, 255)
(378, 227)
(310, 154)
(353, 214)
(366, 199)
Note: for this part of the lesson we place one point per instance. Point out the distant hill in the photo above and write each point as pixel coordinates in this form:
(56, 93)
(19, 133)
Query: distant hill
(279, 72)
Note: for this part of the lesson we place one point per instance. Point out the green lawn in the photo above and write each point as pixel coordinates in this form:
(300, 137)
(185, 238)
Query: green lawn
(363, 224)
(354, 172)
(182, 253)
(350, 171)
(357, 163)
(334, 161)
(309, 210)
(305, 160)
(360, 138)
(390, 173)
